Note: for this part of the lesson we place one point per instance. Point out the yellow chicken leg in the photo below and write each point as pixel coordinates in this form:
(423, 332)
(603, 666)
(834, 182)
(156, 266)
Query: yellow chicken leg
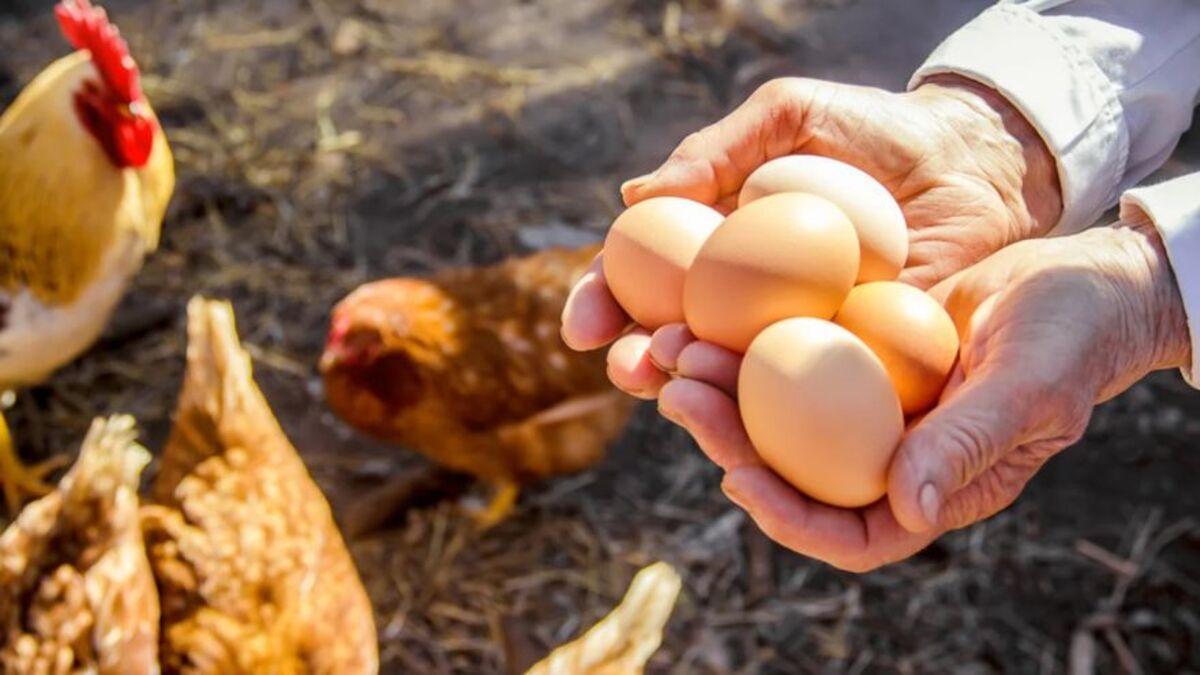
(500, 507)
(18, 481)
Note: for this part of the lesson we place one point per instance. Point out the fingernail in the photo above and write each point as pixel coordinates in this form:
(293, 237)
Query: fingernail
(564, 334)
(732, 493)
(634, 183)
(931, 503)
(669, 371)
(670, 413)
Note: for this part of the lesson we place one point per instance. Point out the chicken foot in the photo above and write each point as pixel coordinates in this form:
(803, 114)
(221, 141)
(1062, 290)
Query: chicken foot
(504, 499)
(21, 482)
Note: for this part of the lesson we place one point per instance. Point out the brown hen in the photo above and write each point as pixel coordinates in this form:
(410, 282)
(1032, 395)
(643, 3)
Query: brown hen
(253, 574)
(468, 369)
(76, 594)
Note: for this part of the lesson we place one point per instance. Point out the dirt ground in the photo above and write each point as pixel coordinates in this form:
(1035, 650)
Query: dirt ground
(321, 143)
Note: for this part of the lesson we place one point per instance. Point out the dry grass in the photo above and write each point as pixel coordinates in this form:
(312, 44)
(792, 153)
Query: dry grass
(324, 142)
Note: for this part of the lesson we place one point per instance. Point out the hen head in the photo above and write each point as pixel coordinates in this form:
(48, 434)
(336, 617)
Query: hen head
(386, 340)
(111, 106)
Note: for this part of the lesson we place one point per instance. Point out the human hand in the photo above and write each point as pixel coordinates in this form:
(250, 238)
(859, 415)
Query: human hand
(1049, 328)
(970, 174)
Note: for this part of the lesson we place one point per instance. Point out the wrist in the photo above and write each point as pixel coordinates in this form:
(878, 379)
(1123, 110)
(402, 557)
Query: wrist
(1147, 327)
(1024, 160)
(1159, 296)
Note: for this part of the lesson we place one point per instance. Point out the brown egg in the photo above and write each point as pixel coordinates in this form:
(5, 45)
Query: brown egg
(782, 256)
(648, 252)
(882, 233)
(910, 332)
(820, 410)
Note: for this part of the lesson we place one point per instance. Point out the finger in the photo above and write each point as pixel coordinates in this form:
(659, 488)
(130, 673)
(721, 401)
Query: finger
(957, 441)
(942, 290)
(956, 379)
(924, 274)
(630, 367)
(965, 294)
(853, 540)
(667, 343)
(998, 487)
(710, 363)
(591, 317)
(712, 418)
(711, 164)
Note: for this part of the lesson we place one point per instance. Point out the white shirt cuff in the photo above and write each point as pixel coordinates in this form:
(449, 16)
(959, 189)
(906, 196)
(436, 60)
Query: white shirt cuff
(1174, 207)
(1059, 89)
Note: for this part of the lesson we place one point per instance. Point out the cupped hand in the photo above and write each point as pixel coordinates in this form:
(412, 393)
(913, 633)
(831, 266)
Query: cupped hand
(969, 172)
(1049, 328)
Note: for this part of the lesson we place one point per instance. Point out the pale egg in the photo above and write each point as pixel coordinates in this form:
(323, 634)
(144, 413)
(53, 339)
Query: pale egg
(911, 334)
(820, 410)
(782, 256)
(882, 233)
(647, 254)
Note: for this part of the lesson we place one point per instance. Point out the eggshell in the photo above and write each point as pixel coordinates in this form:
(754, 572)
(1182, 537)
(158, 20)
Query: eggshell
(882, 233)
(782, 256)
(648, 252)
(820, 410)
(911, 334)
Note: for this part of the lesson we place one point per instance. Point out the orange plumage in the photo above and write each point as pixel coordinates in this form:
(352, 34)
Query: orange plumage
(468, 369)
(253, 574)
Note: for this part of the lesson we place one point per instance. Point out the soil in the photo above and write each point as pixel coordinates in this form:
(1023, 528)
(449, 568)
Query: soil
(322, 143)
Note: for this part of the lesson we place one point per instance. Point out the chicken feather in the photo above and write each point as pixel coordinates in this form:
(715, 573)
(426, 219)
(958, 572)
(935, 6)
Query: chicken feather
(76, 593)
(76, 218)
(468, 368)
(253, 574)
(622, 642)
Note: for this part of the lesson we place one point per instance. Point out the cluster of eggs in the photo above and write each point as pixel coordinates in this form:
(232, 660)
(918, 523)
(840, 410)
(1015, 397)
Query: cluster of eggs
(801, 279)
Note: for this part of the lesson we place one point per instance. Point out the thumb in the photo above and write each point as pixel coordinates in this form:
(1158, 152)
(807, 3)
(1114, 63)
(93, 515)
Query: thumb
(969, 431)
(710, 165)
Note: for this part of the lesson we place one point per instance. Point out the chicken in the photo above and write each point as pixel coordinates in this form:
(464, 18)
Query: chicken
(468, 369)
(252, 572)
(76, 593)
(85, 177)
(622, 642)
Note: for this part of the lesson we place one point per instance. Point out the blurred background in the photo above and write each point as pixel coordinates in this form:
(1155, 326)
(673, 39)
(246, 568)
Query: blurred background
(323, 143)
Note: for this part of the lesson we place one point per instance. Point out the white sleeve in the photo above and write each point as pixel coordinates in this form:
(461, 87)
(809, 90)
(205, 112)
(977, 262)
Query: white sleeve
(1174, 207)
(1109, 84)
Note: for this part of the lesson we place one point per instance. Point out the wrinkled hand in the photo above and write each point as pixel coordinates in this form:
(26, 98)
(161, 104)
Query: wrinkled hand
(969, 172)
(1049, 329)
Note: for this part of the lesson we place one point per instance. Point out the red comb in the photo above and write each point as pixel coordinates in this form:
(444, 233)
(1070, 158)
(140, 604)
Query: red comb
(87, 27)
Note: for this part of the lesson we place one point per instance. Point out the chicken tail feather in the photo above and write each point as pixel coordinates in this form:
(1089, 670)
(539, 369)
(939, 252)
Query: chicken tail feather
(622, 642)
(110, 459)
(218, 393)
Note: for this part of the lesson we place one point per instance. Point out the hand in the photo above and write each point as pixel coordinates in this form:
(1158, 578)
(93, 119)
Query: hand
(970, 174)
(1049, 328)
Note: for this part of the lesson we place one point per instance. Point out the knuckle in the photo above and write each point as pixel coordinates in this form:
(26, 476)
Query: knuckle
(1076, 423)
(968, 450)
(785, 102)
(967, 506)
(993, 491)
(783, 90)
(692, 146)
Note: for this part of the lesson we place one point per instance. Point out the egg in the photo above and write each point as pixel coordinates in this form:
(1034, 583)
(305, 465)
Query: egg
(882, 233)
(782, 256)
(647, 254)
(820, 410)
(911, 334)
